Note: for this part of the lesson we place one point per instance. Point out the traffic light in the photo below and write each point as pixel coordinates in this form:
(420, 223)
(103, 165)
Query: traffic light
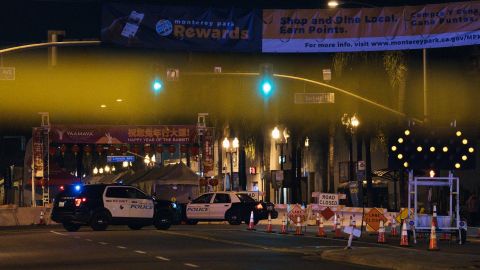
(157, 82)
(266, 79)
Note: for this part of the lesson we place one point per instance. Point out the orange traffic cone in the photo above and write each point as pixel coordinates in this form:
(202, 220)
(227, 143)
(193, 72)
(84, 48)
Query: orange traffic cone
(298, 229)
(317, 219)
(434, 216)
(338, 231)
(433, 238)
(381, 234)
(251, 224)
(283, 230)
(269, 225)
(404, 236)
(42, 220)
(321, 230)
(334, 227)
(445, 236)
(393, 226)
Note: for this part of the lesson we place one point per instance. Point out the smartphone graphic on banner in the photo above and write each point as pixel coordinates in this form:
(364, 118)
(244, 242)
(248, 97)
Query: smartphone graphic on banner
(132, 25)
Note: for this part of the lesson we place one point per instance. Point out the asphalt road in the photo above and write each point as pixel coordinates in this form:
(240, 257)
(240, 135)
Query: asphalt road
(181, 247)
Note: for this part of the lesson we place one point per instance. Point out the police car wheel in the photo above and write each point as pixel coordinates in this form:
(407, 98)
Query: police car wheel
(163, 223)
(71, 227)
(233, 218)
(100, 221)
(192, 222)
(135, 226)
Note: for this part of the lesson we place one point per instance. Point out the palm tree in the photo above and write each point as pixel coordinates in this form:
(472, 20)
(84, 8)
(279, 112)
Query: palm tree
(395, 66)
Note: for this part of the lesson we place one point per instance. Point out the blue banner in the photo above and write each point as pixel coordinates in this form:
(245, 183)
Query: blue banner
(182, 28)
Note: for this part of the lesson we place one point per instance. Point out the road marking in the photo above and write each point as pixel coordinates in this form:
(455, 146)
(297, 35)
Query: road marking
(191, 265)
(121, 247)
(162, 258)
(140, 252)
(57, 233)
(103, 243)
(89, 240)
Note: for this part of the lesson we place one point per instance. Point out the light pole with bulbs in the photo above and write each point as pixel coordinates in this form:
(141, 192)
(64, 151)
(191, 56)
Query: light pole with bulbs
(351, 123)
(281, 139)
(230, 149)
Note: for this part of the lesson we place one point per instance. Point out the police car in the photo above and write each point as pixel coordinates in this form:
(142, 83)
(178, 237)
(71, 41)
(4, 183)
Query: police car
(100, 205)
(230, 206)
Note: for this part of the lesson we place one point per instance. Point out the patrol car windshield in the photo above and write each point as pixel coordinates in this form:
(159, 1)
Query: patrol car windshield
(245, 198)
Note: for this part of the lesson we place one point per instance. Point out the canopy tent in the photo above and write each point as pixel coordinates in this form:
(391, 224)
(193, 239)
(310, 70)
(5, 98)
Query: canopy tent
(172, 181)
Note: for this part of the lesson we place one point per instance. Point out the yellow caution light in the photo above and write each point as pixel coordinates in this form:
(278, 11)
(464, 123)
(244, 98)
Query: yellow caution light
(400, 140)
(470, 149)
(464, 141)
(400, 156)
(457, 165)
(432, 149)
(464, 157)
(458, 133)
(394, 148)
(407, 132)
(405, 164)
(445, 149)
(419, 149)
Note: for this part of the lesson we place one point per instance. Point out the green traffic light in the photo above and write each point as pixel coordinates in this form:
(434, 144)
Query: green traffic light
(266, 88)
(157, 85)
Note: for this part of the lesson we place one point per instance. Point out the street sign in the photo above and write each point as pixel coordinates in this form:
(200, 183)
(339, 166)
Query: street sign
(327, 213)
(328, 199)
(349, 230)
(403, 214)
(327, 74)
(314, 98)
(296, 212)
(7, 73)
(114, 159)
(373, 218)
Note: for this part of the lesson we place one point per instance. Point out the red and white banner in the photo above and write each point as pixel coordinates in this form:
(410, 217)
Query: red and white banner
(371, 29)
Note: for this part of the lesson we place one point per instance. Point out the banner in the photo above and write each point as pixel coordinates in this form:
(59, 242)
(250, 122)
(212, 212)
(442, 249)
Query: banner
(371, 29)
(123, 134)
(38, 155)
(207, 151)
(182, 28)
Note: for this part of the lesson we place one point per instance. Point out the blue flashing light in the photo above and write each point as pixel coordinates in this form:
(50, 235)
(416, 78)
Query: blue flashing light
(77, 187)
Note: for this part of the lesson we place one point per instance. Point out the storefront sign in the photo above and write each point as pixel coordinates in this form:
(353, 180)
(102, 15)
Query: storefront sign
(371, 29)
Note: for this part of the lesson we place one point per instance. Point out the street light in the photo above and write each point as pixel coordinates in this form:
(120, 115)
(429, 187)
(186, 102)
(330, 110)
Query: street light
(230, 150)
(351, 123)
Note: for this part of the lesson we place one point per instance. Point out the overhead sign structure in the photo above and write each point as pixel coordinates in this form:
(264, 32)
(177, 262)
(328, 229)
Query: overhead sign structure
(371, 29)
(314, 98)
(7, 73)
(373, 218)
(328, 199)
(296, 212)
(113, 159)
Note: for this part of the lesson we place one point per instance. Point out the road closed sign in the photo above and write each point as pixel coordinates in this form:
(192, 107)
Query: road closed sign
(328, 199)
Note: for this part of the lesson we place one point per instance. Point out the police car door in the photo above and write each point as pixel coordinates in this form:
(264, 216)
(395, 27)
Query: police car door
(221, 203)
(199, 208)
(141, 205)
(117, 201)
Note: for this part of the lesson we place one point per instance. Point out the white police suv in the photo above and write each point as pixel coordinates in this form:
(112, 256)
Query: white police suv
(230, 206)
(100, 205)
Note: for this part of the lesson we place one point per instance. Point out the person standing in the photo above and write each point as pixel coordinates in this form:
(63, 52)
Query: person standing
(472, 208)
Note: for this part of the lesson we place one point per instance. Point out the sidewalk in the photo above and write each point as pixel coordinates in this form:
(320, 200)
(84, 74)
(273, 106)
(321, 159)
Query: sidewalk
(401, 258)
